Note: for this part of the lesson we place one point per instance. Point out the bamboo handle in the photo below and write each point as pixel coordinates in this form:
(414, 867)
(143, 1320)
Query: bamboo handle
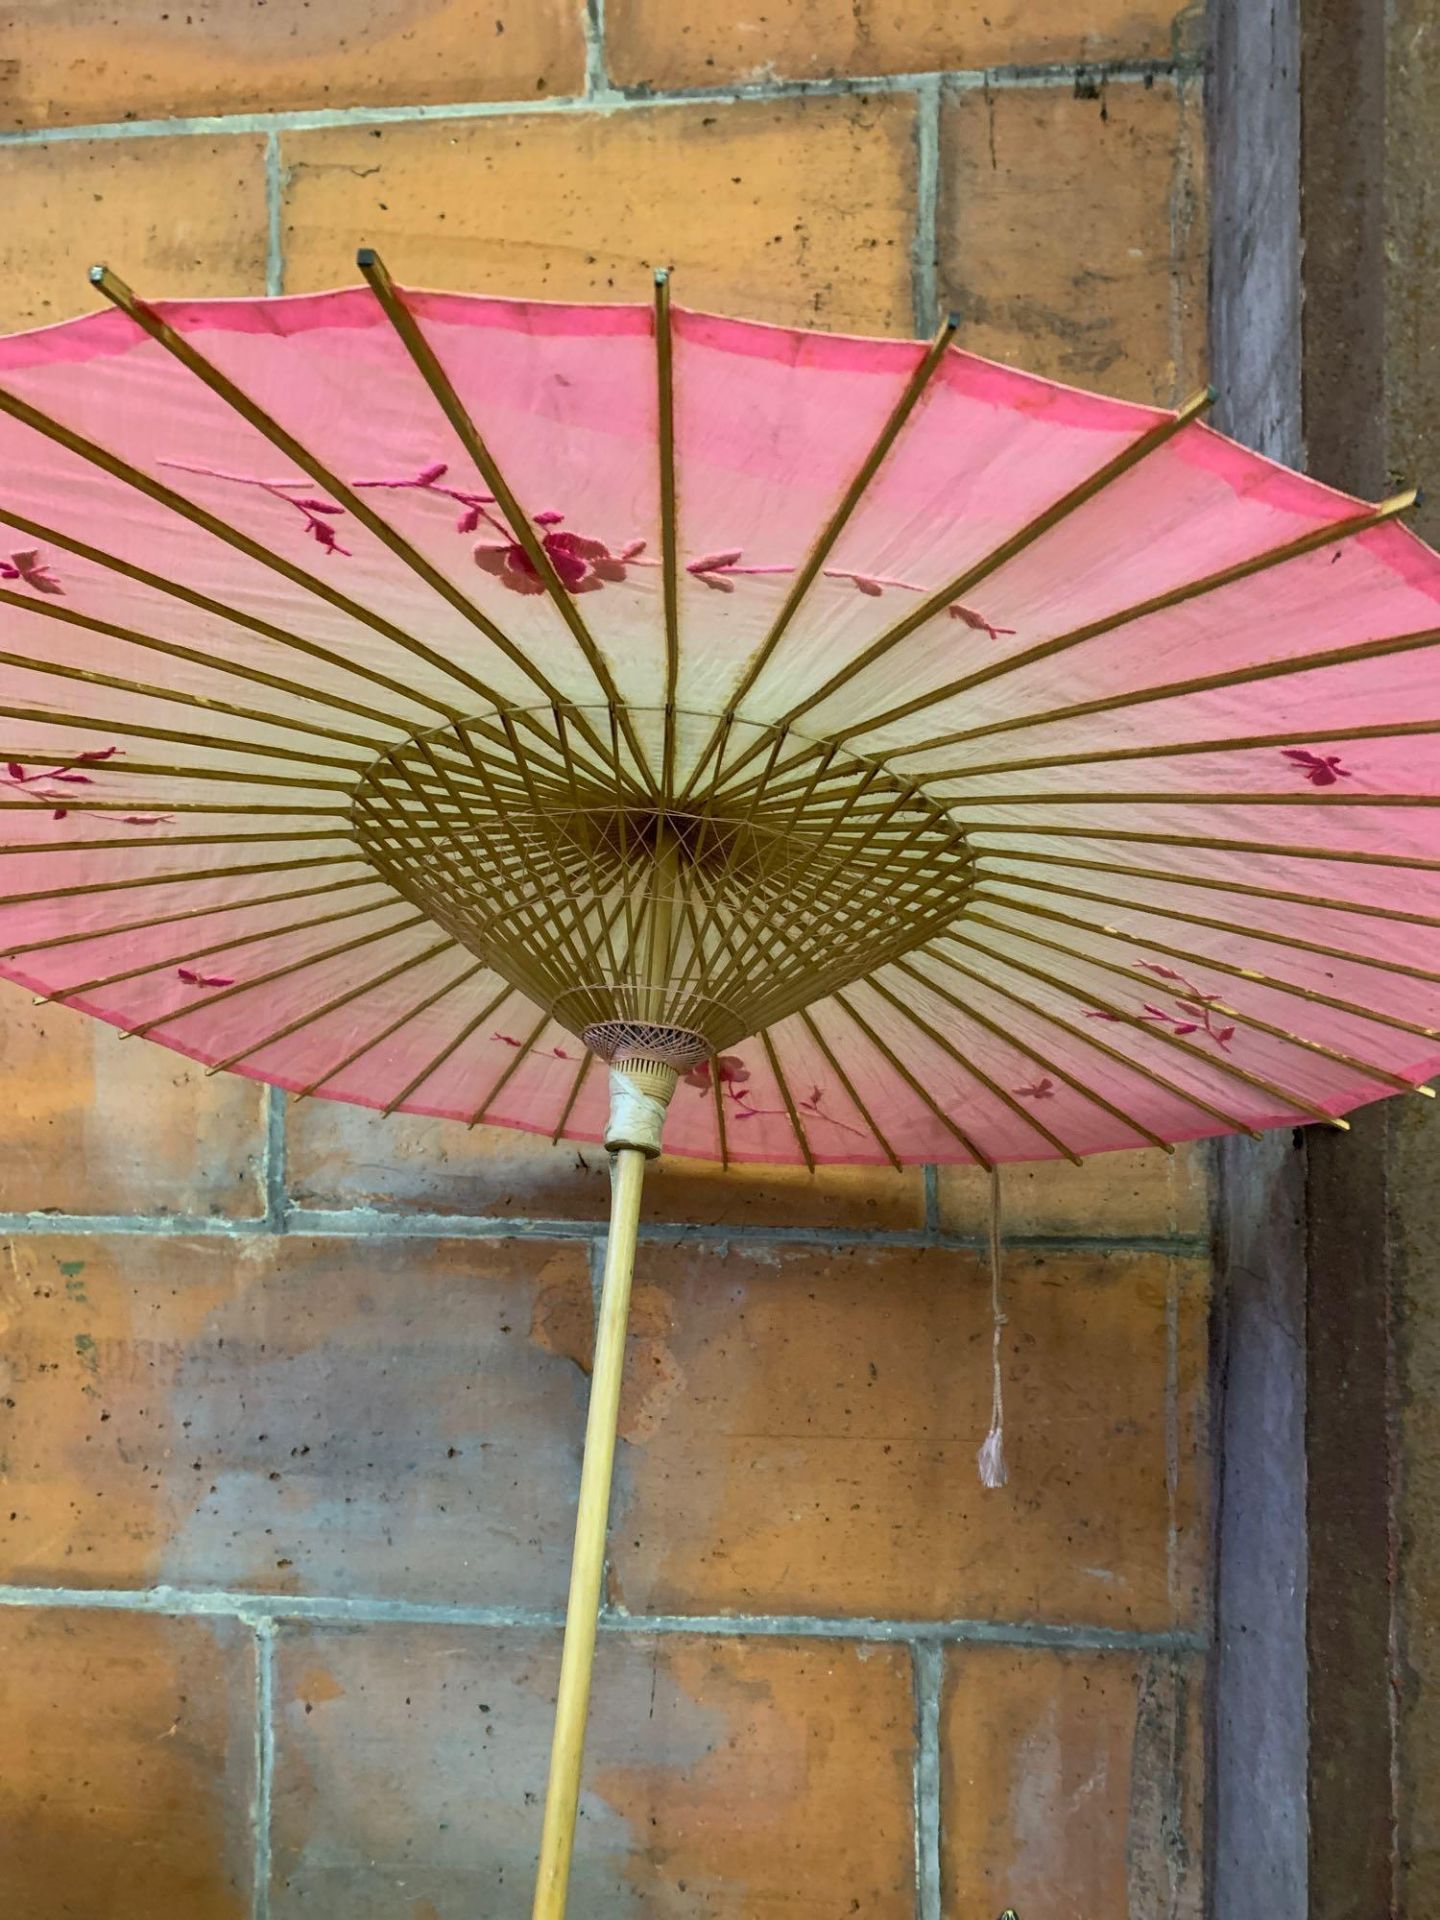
(562, 1794)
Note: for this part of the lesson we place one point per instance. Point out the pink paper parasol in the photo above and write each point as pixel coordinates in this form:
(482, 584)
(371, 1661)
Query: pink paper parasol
(410, 699)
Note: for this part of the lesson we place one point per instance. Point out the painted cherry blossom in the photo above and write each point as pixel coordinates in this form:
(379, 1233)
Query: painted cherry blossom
(1040, 1090)
(27, 567)
(582, 564)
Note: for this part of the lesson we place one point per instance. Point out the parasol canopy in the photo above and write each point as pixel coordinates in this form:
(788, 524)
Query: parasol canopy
(870, 752)
(1026, 773)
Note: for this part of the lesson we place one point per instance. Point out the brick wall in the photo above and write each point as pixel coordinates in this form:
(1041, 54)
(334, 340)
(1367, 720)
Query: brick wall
(292, 1398)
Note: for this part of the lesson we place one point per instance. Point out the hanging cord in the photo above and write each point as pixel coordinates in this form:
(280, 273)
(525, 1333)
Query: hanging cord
(991, 1457)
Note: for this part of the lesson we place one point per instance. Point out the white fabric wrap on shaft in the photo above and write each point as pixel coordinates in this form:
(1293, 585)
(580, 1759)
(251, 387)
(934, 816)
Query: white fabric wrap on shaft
(637, 1116)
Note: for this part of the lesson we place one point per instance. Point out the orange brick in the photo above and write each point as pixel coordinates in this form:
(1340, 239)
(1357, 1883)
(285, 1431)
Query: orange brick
(1072, 1783)
(88, 62)
(91, 1126)
(1072, 237)
(341, 1156)
(744, 1779)
(128, 1775)
(744, 201)
(705, 43)
(333, 1416)
(181, 216)
(799, 1435)
(1115, 1193)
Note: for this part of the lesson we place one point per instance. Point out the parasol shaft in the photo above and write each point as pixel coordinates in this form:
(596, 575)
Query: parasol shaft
(587, 1568)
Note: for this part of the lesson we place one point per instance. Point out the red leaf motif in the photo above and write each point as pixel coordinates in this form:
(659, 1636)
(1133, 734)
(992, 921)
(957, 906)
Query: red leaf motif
(976, 620)
(1320, 769)
(318, 506)
(71, 777)
(193, 979)
(146, 819)
(712, 562)
(550, 518)
(16, 771)
(867, 585)
(427, 476)
(60, 813)
(728, 1068)
(506, 1039)
(1097, 1014)
(99, 753)
(1041, 1090)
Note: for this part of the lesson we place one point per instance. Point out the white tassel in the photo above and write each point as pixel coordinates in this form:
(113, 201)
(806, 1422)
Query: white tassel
(991, 1457)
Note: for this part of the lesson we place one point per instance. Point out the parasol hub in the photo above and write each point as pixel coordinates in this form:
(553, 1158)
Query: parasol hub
(663, 921)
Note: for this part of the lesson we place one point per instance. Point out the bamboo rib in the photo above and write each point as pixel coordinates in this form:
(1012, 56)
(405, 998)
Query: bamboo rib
(969, 1067)
(187, 877)
(1273, 557)
(1291, 942)
(184, 959)
(204, 1004)
(1312, 994)
(592, 864)
(355, 504)
(265, 629)
(717, 1094)
(936, 603)
(394, 1026)
(1209, 882)
(789, 1099)
(90, 806)
(93, 677)
(427, 364)
(1285, 1034)
(1217, 1061)
(136, 729)
(518, 1054)
(171, 840)
(1229, 1121)
(472, 880)
(1295, 663)
(333, 1005)
(1027, 1052)
(174, 502)
(924, 1094)
(669, 533)
(452, 1046)
(587, 1061)
(188, 913)
(1136, 835)
(914, 389)
(1172, 749)
(850, 1089)
(1078, 797)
